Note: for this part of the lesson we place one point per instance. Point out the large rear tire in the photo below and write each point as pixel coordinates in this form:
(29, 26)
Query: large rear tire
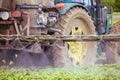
(75, 22)
(112, 49)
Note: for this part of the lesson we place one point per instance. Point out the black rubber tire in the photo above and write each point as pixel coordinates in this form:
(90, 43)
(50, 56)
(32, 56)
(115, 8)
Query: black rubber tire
(112, 49)
(75, 16)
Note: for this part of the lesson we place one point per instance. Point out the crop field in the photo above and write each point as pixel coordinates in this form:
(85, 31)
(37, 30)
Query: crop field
(96, 72)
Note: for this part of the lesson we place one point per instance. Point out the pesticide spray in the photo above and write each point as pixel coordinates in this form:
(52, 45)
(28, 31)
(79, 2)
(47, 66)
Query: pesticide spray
(20, 58)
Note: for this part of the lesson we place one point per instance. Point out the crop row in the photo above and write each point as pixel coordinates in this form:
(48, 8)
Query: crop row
(96, 72)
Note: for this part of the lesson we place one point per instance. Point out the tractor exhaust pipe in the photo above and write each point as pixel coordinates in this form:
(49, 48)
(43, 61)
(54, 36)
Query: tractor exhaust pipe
(98, 21)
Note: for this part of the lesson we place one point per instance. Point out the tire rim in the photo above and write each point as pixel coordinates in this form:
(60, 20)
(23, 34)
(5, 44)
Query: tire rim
(77, 50)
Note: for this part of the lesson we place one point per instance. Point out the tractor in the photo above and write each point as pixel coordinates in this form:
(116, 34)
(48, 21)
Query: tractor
(35, 30)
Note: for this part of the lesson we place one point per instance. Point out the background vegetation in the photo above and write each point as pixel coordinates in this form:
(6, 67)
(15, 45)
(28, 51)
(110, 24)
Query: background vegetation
(114, 3)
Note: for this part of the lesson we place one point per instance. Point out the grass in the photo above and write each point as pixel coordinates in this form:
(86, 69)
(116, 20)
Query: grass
(96, 72)
(115, 20)
(116, 13)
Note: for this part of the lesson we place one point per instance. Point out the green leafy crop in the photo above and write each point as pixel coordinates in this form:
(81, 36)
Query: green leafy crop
(96, 72)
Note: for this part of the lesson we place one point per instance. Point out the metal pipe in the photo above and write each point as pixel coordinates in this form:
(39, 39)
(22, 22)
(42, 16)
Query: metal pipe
(27, 7)
(6, 22)
(13, 2)
(98, 11)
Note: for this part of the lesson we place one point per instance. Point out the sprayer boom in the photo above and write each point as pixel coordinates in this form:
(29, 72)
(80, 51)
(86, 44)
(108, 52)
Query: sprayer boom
(37, 38)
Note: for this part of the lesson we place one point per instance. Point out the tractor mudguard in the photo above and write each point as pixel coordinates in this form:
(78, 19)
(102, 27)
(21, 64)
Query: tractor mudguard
(71, 5)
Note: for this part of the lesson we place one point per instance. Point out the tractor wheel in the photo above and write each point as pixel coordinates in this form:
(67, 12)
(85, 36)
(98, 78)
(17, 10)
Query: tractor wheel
(112, 49)
(75, 22)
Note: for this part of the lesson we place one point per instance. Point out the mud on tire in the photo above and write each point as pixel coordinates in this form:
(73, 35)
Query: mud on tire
(112, 49)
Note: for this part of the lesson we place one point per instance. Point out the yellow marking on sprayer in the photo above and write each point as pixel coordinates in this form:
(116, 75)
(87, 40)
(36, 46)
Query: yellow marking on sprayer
(76, 51)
